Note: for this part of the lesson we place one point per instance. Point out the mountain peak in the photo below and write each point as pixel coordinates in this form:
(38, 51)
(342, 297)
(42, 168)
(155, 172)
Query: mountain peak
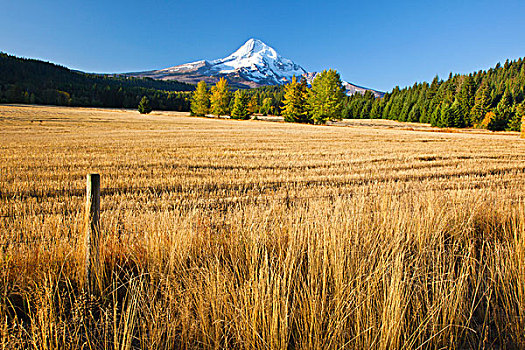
(252, 42)
(259, 63)
(254, 47)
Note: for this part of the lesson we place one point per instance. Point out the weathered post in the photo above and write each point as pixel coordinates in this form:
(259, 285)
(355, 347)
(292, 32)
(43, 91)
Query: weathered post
(92, 231)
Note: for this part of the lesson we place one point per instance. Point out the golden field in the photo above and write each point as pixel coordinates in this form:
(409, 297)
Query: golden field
(259, 235)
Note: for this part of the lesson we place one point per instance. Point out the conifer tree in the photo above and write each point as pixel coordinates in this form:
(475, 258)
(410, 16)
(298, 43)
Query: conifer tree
(294, 103)
(498, 120)
(506, 100)
(240, 106)
(435, 117)
(366, 109)
(144, 106)
(220, 98)
(457, 115)
(466, 100)
(386, 110)
(266, 106)
(504, 113)
(515, 122)
(521, 112)
(303, 85)
(375, 112)
(200, 102)
(481, 106)
(397, 105)
(446, 118)
(415, 113)
(253, 105)
(325, 100)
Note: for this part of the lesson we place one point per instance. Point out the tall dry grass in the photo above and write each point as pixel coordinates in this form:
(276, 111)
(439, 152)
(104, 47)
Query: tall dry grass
(221, 234)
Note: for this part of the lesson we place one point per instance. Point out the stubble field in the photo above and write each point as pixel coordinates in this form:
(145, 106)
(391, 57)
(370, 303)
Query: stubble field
(259, 235)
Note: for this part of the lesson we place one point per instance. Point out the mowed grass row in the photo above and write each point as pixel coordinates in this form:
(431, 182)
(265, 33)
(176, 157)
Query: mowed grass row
(252, 234)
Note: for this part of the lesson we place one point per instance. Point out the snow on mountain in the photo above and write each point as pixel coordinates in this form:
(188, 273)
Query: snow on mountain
(187, 67)
(260, 62)
(253, 64)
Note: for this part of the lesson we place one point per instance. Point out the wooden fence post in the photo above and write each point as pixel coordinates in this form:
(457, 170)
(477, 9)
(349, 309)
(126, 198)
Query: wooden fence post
(92, 231)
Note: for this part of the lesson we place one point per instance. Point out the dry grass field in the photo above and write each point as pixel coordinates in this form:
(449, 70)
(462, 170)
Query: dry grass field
(259, 235)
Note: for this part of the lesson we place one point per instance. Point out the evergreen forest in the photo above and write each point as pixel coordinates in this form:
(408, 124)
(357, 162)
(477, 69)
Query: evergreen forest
(491, 99)
(36, 82)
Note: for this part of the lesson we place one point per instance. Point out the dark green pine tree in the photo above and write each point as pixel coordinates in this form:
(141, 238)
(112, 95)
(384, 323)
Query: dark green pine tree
(457, 112)
(415, 113)
(506, 100)
(240, 106)
(482, 102)
(376, 111)
(521, 112)
(366, 110)
(435, 117)
(144, 106)
(388, 107)
(466, 99)
(504, 112)
(431, 103)
(515, 122)
(398, 102)
(446, 118)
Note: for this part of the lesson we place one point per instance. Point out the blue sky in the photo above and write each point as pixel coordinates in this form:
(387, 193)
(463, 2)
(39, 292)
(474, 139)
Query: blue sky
(377, 44)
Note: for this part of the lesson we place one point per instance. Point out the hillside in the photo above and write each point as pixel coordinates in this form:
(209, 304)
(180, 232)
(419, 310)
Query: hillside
(37, 82)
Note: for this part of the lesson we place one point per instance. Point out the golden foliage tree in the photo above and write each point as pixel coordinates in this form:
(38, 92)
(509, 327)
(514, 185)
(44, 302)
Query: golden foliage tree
(220, 98)
(326, 96)
(294, 109)
(253, 105)
(200, 102)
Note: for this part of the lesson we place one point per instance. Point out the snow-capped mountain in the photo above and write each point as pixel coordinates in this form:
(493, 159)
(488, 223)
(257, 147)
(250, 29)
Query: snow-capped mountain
(253, 64)
(258, 62)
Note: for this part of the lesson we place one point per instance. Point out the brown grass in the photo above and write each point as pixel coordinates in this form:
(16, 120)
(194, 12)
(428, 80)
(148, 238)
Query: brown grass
(250, 234)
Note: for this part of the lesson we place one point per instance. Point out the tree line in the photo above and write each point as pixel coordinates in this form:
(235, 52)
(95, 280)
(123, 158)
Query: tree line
(492, 99)
(296, 101)
(37, 82)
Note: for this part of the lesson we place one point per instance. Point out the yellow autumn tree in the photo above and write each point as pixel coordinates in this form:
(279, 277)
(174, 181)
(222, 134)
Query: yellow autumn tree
(220, 98)
(200, 102)
(294, 103)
